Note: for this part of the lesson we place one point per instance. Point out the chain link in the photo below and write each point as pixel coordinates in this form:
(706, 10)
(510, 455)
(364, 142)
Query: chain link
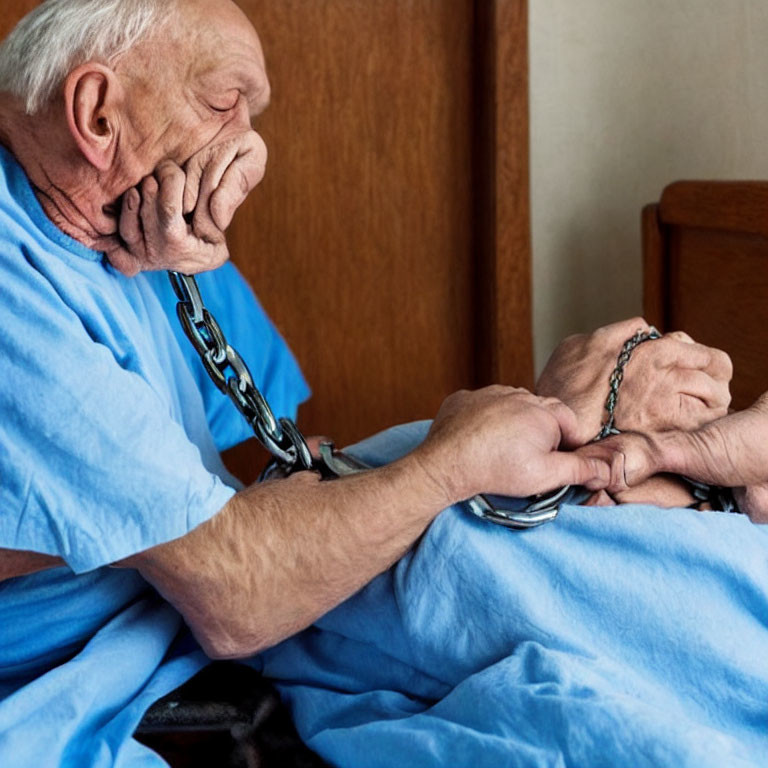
(282, 438)
(617, 377)
(229, 372)
(285, 442)
(716, 496)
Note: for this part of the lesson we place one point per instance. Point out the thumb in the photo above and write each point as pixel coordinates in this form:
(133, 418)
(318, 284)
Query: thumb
(632, 458)
(575, 469)
(567, 421)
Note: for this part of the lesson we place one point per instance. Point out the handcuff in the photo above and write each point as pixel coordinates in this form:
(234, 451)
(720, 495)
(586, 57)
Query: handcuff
(288, 446)
(285, 442)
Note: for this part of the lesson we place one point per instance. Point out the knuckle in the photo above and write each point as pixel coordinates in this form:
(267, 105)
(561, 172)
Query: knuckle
(194, 166)
(168, 211)
(575, 339)
(149, 186)
(167, 168)
(725, 361)
(244, 182)
(629, 326)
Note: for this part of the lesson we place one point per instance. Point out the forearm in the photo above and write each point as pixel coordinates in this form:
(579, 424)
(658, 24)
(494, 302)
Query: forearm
(283, 553)
(732, 452)
(15, 563)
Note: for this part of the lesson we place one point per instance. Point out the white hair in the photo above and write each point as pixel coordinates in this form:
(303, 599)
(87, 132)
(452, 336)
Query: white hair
(59, 35)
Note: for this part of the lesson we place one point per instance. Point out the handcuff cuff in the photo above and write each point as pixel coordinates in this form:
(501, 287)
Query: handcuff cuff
(288, 447)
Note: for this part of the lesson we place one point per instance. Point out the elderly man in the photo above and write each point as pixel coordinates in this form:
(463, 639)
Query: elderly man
(126, 148)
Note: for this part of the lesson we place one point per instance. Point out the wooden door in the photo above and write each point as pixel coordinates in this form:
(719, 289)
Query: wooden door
(390, 238)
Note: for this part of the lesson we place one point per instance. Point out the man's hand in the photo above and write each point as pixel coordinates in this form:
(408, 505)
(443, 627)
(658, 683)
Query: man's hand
(732, 452)
(671, 383)
(176, 218)
(505, 441)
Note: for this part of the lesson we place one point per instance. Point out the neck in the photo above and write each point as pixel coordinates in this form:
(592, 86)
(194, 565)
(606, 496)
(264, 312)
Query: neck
(68, 188)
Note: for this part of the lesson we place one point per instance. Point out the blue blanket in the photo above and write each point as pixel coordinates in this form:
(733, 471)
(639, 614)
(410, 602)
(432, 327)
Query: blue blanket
(624, 636)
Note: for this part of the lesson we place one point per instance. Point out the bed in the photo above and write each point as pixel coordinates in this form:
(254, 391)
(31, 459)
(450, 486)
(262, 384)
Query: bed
(705, 266)
(704, 246)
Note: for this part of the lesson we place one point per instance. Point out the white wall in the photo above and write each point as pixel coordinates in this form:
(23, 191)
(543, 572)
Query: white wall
(627, 96)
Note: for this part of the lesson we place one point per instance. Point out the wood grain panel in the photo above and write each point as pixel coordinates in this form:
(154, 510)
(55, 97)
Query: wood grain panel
(735, 206)
(718, 284)
(12, 11)
(706, 272)
(359, 240)
(654, 276)
(503, 200)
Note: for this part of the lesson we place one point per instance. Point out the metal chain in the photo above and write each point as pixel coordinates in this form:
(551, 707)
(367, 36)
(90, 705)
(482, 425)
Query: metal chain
(718, 497)
(617, 377)
(285, 442)
(281, 437)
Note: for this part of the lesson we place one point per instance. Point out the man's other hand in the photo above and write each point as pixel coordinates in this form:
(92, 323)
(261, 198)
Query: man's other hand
(732, 452)
(504, 440)
(176, 218)
(671, 383)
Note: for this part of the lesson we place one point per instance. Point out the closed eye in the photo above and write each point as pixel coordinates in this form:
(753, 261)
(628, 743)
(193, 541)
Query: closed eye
(225, 104)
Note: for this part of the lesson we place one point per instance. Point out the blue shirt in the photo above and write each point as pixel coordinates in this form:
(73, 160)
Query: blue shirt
(109, 444)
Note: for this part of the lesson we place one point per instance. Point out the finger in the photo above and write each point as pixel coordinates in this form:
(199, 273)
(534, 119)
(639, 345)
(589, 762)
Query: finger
(505, 390)
(632, 458)
(700, 385)
(149, 215)
(124, 262)
(566, 420)
(753, 501)
(679, 336)
(693, 413)
(129, 226)
(659, 491)
(681, 354)
(193, 171)
(213, 172)
(689, 354)
(625, 328)
(170, 199)
(242, 176)
(575, 469)
(600, 499)
(721, 365)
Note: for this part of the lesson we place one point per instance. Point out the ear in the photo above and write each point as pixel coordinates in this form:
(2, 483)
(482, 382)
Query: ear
(93, 97)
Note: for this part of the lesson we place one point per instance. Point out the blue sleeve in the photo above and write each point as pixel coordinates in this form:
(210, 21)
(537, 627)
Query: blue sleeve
(250, 331)
(94, 464)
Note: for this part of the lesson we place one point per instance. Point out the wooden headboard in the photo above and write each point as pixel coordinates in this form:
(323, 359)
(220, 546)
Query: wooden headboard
(705, 249)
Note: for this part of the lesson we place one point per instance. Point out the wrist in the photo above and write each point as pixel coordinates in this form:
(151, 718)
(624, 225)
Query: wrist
(439, 487)
(670, 452)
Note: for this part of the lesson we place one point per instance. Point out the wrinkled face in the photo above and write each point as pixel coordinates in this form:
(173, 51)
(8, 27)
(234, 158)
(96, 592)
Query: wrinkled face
(201, 87)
